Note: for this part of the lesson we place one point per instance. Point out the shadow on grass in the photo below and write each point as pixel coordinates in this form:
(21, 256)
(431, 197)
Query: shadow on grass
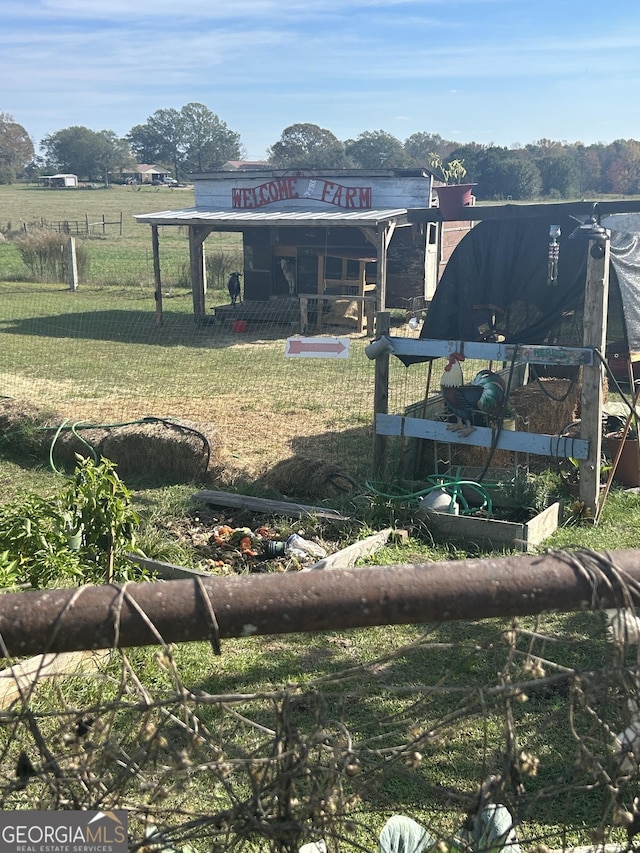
(137, 327)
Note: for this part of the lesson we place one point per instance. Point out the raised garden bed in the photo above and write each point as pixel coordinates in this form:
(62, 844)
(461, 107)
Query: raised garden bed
(495, 533)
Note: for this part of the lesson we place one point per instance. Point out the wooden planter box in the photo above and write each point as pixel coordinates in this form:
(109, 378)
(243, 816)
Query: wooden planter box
(496, 534)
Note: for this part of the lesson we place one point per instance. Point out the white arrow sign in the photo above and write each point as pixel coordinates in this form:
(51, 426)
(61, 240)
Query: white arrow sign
(317, 348)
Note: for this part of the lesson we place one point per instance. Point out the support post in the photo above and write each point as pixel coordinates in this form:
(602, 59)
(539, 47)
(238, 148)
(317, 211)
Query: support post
(594, 336)
(155, 243)
(384, 239)
(72, 264)
(381, 396)
(197, 236)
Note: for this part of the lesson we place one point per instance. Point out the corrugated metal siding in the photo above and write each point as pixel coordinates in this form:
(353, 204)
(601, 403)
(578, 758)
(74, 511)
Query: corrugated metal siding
(271, 217)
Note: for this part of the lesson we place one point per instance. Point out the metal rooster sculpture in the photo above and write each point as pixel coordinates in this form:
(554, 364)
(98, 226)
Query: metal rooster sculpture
(486, 393)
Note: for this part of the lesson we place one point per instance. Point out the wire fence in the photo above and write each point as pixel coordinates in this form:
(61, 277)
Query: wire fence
(274, 744)
(99, 356)
(271, 745)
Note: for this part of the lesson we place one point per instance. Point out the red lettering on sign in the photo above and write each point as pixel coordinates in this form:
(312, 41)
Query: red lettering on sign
(365, 197)
(283, 189)
(327, 187)
(268, 193)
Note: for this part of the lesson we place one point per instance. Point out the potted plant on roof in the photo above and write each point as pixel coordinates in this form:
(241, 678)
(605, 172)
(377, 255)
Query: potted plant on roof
(453, 195)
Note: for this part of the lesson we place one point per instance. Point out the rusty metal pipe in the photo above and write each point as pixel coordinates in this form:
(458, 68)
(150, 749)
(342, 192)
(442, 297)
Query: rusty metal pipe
(95, 617)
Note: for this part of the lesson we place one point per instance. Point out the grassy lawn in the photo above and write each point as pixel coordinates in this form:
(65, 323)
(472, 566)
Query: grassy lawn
(288, 738)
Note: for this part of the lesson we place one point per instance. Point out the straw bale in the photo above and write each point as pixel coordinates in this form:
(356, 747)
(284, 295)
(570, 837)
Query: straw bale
(305, 477)
(24, 424)
(547, 405)
(173, 451)
(167, 450)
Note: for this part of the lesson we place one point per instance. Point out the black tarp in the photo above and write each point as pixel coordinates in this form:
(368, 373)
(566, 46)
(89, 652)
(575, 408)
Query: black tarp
(497, 283)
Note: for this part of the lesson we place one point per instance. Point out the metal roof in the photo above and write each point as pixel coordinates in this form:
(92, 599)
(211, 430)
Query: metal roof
(238, 218)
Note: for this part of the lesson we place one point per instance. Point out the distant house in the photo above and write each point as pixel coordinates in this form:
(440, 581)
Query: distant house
(245, 165)
(58, 180)
(143, 173)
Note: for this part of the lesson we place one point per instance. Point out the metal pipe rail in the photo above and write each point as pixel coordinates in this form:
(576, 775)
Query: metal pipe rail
(215, 608)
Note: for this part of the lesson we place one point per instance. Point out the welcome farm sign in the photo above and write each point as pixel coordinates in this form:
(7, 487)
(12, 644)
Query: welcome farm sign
(291, 188)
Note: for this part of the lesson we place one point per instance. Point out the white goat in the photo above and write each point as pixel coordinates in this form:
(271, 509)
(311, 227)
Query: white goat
(289, 272)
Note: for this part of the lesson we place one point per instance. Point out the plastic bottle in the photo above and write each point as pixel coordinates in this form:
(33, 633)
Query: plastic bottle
(295, 546)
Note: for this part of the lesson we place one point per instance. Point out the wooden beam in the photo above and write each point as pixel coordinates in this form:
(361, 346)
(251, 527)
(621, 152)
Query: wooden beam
(594, 335)
(479, 212)
(197, 236)
(539, 444)
(237, 501)
(520, 353)
(385, 235)
(347, 557)
(381, 396)
(155, 243)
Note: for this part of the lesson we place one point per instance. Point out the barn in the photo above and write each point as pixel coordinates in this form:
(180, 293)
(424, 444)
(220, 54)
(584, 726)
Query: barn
(310, 237)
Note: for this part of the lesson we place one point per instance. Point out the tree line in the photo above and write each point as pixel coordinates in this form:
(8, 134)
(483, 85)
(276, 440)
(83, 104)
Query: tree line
(194, 140)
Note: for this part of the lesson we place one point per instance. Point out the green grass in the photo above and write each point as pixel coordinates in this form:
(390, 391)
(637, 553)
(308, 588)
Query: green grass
(115, 260)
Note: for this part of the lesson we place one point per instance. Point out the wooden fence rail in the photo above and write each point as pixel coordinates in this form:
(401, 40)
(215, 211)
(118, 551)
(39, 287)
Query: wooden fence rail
(76, 227)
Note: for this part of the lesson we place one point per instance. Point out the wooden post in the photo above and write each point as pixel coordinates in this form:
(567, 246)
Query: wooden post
(384, 239)
(197, 236)
(594, 336)
(304, 313)
(72, 264)
(381, 396)
(155, 243)
(320, 302)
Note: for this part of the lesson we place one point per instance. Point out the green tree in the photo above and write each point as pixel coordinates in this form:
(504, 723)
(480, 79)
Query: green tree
(560, 174)
(503, 174)
(419, 146)
(16, 149)
(89, 154)
(192, 139)
(112, 154)
(308, 146)
(207, 141)
(159, 140)
(376, 149)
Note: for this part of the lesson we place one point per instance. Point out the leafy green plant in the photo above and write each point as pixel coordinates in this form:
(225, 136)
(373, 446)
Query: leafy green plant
(81, 534)
(9, 571)
(452, 173)
(99, 517)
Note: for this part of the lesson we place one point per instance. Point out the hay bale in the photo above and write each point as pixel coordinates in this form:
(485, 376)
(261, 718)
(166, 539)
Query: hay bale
(168, 450)
(305, 477)
(547, 405)
(26, 427)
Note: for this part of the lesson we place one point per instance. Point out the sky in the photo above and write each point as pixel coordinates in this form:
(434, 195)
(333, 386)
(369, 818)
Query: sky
(501, 72)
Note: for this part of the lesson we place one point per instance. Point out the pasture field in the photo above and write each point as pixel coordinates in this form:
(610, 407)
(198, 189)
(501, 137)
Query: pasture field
(118, 260)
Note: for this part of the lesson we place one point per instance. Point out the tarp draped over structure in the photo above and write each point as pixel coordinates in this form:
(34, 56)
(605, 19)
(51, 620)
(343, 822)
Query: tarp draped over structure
(497, 283)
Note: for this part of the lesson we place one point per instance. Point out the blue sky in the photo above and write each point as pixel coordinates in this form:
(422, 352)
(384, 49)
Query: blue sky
(491, 71)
